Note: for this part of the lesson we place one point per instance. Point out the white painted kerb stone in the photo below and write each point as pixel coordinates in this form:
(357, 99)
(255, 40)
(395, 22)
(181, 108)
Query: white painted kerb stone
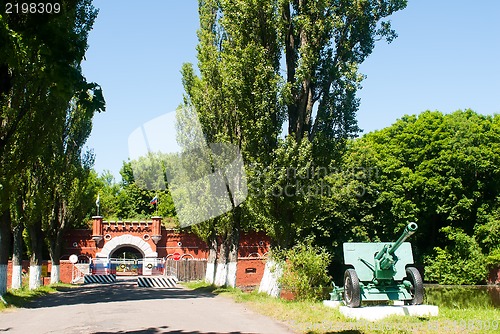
(373, 313)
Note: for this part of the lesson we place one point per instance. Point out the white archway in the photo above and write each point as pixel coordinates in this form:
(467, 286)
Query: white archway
(127, 240)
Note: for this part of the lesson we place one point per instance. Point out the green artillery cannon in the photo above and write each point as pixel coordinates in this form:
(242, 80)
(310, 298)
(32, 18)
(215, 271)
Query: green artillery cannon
(380, 271)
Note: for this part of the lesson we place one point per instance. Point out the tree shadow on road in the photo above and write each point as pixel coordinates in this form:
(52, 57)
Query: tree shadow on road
(165, 330)
(104, 293)
(347, 331)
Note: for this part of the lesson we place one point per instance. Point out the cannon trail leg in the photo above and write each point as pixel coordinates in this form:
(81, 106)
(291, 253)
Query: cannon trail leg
(352, 292)
(417, 290)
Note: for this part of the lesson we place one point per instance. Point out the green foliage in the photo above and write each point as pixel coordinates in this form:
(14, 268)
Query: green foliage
(324, 42)
(130, 199)
(283, 195)
(434, 169)
(461, 262)
(241, 95)
(235, 96)
(487, 229)
(107, 188)
(493, 258)
(306, 270)
(461, 297)
(46, 108)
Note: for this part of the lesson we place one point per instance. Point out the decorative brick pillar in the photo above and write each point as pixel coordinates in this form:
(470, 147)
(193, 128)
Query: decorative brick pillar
(97, 229)
(156, 230)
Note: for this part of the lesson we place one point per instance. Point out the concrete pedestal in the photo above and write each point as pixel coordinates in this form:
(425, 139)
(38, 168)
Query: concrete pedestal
(373, 313)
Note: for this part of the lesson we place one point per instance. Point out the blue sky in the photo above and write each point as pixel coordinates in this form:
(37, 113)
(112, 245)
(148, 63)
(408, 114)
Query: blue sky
(445, 58)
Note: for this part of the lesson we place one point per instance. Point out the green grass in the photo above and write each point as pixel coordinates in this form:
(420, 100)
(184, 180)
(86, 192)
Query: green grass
(315, 318)
(19, 297)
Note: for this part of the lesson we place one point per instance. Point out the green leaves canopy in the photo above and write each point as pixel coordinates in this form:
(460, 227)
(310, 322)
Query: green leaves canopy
(243, 96)
(441, 171)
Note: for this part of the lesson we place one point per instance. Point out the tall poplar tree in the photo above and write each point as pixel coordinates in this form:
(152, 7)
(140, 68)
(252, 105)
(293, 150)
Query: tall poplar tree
(236, 99)
(245, 91)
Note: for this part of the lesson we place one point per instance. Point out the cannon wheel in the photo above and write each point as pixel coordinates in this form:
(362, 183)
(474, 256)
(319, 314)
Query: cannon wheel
(417, 291)
(352, 292)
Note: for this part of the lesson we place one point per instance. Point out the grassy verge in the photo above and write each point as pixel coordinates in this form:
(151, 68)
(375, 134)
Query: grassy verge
(18, 298)
(314, 317)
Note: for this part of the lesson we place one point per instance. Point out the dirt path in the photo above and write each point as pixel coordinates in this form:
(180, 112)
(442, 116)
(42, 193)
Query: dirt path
(125, 308)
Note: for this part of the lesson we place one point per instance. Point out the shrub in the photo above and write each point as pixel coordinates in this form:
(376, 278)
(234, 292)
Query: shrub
(493, 259)
(462, 262)
(306, 273)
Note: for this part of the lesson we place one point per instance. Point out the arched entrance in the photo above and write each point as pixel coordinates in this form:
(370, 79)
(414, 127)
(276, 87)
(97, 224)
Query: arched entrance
(127, 252)
(127, 240)
(128, 255)
(127, 261)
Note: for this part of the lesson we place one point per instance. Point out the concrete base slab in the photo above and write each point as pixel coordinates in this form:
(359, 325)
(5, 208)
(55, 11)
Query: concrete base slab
(373, 313)
(332, 303)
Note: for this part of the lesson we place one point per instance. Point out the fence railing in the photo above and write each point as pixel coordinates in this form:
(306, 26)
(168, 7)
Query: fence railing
(185, 270)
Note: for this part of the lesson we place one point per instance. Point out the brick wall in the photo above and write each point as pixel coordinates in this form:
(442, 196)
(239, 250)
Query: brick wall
(86, 243)
(79, 242)
(186, 244)
(66, 268)
(250, 272)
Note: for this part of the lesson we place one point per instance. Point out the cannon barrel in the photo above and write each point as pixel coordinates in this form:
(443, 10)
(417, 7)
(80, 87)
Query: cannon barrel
(408, 231)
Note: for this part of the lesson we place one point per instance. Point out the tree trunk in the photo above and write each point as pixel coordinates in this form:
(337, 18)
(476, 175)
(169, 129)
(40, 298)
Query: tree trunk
(300, 107)
(270, 280)
(233, 247)
(5, 236)
(35, 275)
(221, 267)
(17, 255)
(55, 256)
(57, 228)
(232, 262)
(36, 237)
(212, 259)
(55, 273)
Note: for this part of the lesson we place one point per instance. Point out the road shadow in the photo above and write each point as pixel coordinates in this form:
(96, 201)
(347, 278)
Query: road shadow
(347, 331)
(116, 292)
(165, 330)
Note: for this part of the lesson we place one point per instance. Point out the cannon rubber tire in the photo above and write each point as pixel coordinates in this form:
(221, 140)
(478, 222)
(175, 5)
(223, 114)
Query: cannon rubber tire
(352, 291)
(413, 275)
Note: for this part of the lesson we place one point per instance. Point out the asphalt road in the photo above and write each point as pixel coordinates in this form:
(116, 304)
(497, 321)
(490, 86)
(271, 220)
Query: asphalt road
(125, 308)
